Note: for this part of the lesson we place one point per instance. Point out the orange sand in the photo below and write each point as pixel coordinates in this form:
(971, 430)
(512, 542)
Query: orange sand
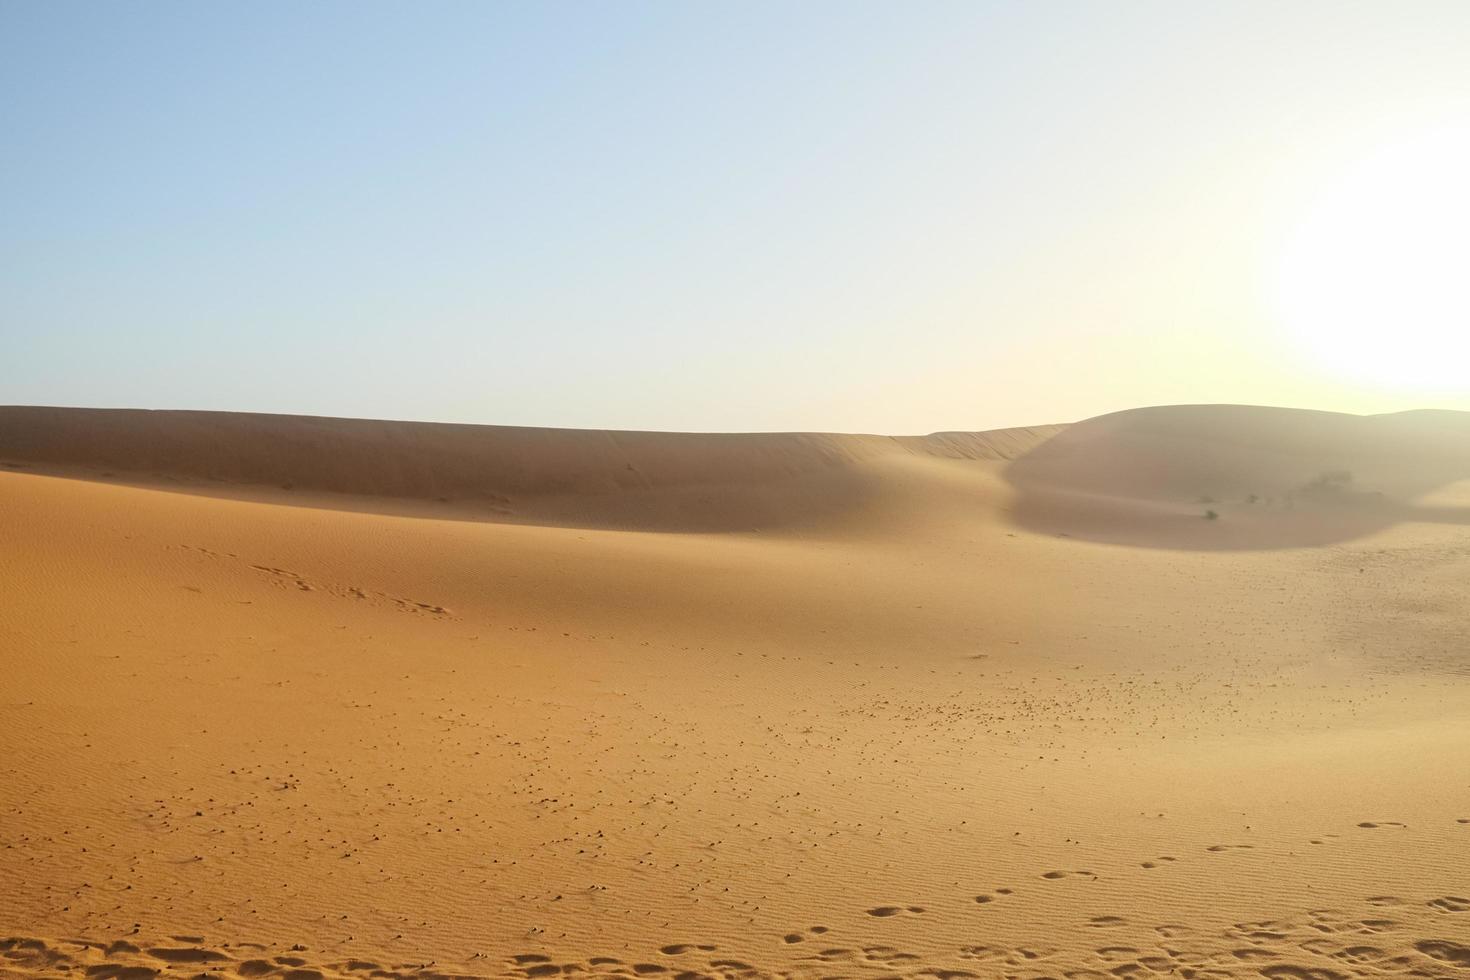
(486, 701)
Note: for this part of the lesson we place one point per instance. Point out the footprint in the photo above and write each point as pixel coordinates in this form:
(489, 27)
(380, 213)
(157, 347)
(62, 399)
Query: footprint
(1253, 953)
(1451, 903)
(1027, 954)
(1445, 951)
(886, 911)
(1117, 954)
(189, 954)
(113, 971)
(886, 954)
(1377, 925)
(983, 953)
(1287, 972)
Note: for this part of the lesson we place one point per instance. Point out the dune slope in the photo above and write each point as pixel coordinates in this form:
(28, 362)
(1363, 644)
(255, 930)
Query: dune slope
(643, 480)
(1277, 477)
(958, 705)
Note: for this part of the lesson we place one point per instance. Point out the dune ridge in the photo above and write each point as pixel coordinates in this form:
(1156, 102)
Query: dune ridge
(648, 480)
(1277, 477)
(428, 459)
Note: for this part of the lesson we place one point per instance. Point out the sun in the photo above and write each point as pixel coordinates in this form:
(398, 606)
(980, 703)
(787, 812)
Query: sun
(1373, 284)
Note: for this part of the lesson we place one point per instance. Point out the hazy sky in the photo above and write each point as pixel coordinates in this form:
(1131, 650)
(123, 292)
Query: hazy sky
(893, 217)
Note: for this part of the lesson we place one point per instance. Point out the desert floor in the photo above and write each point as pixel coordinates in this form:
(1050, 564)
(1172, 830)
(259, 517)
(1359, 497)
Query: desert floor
(996, 705)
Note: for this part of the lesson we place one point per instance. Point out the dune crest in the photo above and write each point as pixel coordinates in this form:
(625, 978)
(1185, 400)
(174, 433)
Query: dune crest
(643, 480)
(1187, 477)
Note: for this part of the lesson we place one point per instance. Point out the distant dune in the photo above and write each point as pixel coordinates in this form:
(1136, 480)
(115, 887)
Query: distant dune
(1172, 692)
(1273, 477)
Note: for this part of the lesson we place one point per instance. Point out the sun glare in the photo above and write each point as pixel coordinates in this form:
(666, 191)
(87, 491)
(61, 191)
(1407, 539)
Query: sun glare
(1374, 283)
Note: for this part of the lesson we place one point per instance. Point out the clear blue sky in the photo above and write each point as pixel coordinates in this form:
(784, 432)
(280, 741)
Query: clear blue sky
(849, 216)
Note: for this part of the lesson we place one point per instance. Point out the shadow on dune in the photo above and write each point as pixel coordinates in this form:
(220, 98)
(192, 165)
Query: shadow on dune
(1227, 477)
(1271, 477)
(576, 478)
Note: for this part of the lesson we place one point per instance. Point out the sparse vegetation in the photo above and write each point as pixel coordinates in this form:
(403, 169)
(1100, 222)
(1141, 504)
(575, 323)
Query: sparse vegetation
(1329, 481)
(1211, 515)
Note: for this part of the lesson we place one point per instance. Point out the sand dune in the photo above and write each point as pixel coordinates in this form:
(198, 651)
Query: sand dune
(1277, 478)
(996, 704)
(642, 480)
